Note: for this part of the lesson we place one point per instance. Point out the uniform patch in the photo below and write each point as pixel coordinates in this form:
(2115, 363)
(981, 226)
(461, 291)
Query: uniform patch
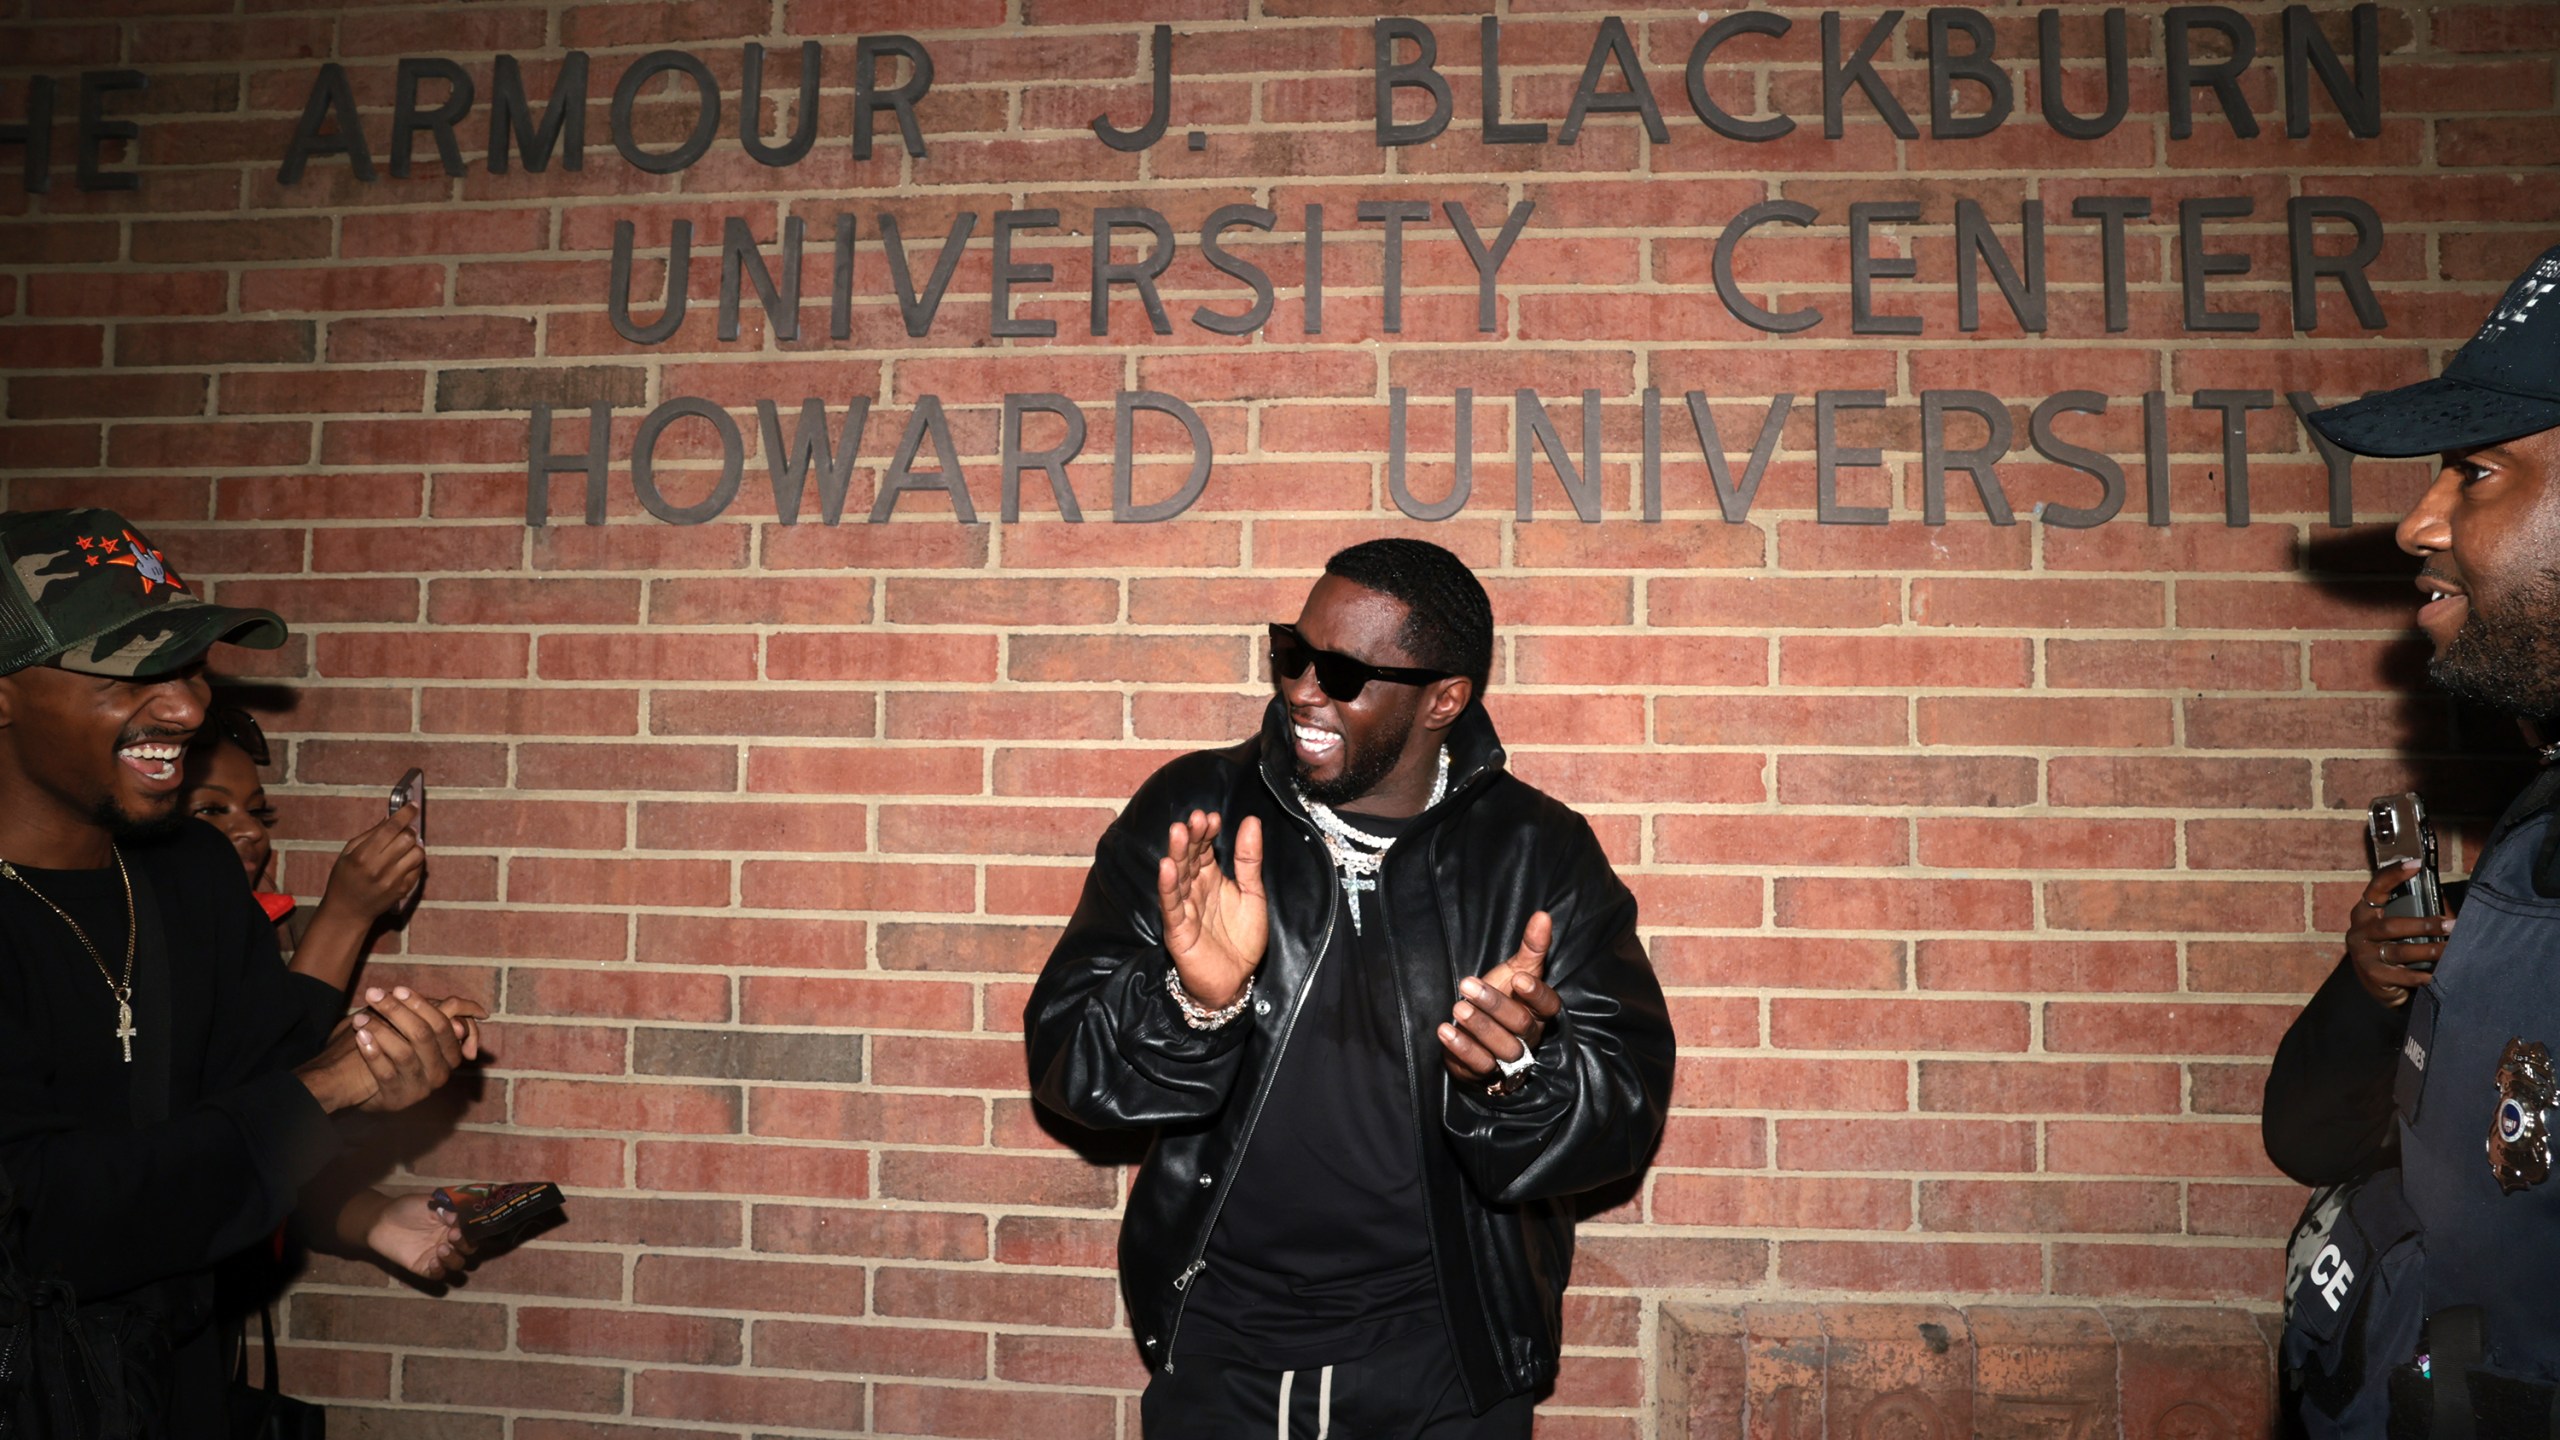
(2520, 1131)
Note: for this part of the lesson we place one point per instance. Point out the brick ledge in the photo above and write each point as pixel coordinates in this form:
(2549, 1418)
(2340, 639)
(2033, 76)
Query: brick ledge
(1942, 1372)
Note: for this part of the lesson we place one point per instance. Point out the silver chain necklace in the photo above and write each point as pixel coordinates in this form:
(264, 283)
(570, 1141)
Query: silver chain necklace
(1358, 868)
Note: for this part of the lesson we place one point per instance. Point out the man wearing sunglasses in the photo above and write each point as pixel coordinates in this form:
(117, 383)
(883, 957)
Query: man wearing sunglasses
(1383, 1006)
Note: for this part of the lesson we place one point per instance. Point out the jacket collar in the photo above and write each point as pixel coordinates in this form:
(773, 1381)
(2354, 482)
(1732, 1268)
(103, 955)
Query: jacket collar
(1475, 754)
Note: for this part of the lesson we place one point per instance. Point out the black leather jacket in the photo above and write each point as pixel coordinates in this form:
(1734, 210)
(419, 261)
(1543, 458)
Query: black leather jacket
(1109, 1049)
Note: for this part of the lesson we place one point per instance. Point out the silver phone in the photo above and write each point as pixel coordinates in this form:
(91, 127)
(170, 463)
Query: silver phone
(411, 791)
(2398, 828)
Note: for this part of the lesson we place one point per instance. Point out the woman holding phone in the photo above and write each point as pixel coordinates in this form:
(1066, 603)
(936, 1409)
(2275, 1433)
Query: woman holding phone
(374, 875)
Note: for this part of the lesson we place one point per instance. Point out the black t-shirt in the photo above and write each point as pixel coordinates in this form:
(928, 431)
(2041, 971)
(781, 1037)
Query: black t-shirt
(141, 1212)
(1323, 1251)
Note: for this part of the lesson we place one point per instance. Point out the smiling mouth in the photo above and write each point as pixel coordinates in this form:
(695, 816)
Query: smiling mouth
(1315, 745)
(154, 760)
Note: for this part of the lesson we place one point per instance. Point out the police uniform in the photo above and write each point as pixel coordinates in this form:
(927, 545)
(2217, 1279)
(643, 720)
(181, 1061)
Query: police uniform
(2437, 1279)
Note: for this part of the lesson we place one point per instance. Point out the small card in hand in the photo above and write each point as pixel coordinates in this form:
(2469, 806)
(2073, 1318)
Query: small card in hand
(490, 1210)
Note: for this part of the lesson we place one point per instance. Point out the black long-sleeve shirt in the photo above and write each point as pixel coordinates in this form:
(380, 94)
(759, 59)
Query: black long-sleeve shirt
(2328, 1102)
(119, 1209)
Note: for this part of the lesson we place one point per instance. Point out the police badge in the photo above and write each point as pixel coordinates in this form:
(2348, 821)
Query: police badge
(2520, 1139)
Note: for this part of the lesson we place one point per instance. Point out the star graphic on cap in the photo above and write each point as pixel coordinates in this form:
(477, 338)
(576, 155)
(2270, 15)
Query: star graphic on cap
(146, 562)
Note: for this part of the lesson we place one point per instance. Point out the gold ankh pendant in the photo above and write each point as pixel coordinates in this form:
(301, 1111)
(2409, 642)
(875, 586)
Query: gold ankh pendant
(124, 1027)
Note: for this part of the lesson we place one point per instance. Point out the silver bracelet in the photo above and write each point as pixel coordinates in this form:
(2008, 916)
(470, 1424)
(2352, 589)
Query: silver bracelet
(1199, 1016)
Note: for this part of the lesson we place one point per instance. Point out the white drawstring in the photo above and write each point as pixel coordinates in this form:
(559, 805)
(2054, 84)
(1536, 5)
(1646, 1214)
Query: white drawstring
(1324, 1402)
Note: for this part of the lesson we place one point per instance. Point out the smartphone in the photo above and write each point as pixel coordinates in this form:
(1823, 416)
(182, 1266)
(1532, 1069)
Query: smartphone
(2398, 828)
(412, 790)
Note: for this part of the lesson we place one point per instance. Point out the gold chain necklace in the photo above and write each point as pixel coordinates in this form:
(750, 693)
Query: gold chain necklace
(123, 989)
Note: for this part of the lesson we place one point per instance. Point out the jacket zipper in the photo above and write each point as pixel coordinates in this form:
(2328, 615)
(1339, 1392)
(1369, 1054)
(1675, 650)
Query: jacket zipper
(1226, 1183)
(1413, 1091)
(1332, 914)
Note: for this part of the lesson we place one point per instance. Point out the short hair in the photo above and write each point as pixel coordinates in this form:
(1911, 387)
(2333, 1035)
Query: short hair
(1448, 623)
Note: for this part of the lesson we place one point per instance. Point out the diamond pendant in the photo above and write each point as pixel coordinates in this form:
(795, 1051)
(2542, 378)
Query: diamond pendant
(124, 1027)
(1352, 886)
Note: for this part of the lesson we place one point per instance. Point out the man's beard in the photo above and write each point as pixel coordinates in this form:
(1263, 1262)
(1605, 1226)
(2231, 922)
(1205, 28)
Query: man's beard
(1363, 766)
(121, 824)
(2507, 655)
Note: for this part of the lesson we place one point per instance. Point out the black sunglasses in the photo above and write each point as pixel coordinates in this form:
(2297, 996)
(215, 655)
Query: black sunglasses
(230, 722)
(1341, 676)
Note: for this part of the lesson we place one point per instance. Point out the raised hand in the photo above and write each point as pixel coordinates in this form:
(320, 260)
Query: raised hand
(377, 871)
(1214, 927)
(1503, 1015)
(2373, 939)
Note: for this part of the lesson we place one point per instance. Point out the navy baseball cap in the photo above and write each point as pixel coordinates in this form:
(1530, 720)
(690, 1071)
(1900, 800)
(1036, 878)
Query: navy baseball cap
(2505, 383)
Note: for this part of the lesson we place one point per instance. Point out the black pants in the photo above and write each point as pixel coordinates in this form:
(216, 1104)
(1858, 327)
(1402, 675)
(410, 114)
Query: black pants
(1407, 1389)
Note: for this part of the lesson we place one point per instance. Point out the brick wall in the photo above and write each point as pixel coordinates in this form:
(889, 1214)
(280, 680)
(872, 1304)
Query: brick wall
(1984, 864)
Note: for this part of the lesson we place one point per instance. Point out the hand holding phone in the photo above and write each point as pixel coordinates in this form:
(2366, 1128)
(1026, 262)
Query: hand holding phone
(2397, 828)
(2398, 928)
(411, 794)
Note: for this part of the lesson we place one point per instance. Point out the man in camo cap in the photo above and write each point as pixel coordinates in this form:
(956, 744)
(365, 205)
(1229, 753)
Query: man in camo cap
(165, 1082)
(84, 590)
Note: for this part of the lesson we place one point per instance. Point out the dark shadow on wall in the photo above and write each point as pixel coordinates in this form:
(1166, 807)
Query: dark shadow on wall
(2464, 761)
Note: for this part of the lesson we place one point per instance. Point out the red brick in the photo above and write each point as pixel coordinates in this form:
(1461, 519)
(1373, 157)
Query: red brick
(2030, 1087)
(870, 1349)
(1810, 1023)
(554, 880)
(2036, 843)
(451, 1380)
(2179, 1272)
(629, 994)
(1783, 1202)
(628, 1335)
(868, 1232)
(1898, 1146)
(1920, 661)
(2163, 782)
(2164, 1028)
(1925, 1268)
(712, 1395)
(1995, 1207)
(754, 1169)
(1751, 960)
(1771, 1083)
(991, 1296)
(884, 1003)
(621, 1109)
(2207, 905)
(2056, 721)
(1931, 780)
(1781, 719)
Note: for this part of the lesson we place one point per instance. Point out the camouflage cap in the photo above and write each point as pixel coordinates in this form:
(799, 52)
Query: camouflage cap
(85, 590)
